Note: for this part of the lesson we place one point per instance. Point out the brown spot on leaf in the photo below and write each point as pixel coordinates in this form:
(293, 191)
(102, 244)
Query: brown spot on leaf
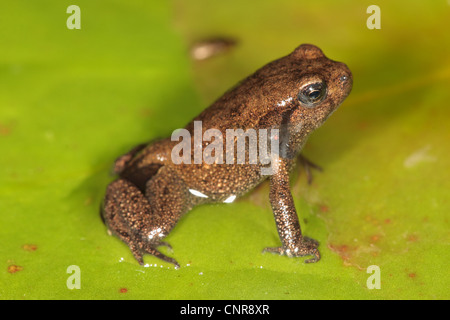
(343, 250)
(123, 290)
(363, 125)
(88, 201)
(14, 268)
(5, 129)
(146, 112)
(372, 220)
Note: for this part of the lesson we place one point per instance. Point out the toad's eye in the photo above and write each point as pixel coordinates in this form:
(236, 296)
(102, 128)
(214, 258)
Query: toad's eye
(311, 94)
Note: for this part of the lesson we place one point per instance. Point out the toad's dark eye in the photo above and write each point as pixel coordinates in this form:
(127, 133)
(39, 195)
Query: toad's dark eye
(313, 93)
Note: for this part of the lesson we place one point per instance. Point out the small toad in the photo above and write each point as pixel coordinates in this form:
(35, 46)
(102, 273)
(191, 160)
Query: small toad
(291, 96)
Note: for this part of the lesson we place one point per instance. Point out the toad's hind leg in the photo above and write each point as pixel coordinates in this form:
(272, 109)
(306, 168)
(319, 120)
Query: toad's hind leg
(142, 222)
(122, 162)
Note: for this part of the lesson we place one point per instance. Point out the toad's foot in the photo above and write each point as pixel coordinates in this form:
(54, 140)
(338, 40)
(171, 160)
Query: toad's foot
(151, 249)
(134, 218)
(307, 247)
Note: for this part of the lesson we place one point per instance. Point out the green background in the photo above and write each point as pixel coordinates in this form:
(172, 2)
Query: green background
(73, 100)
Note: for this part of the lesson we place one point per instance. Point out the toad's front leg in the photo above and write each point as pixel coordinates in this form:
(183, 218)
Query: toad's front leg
(294, 244)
